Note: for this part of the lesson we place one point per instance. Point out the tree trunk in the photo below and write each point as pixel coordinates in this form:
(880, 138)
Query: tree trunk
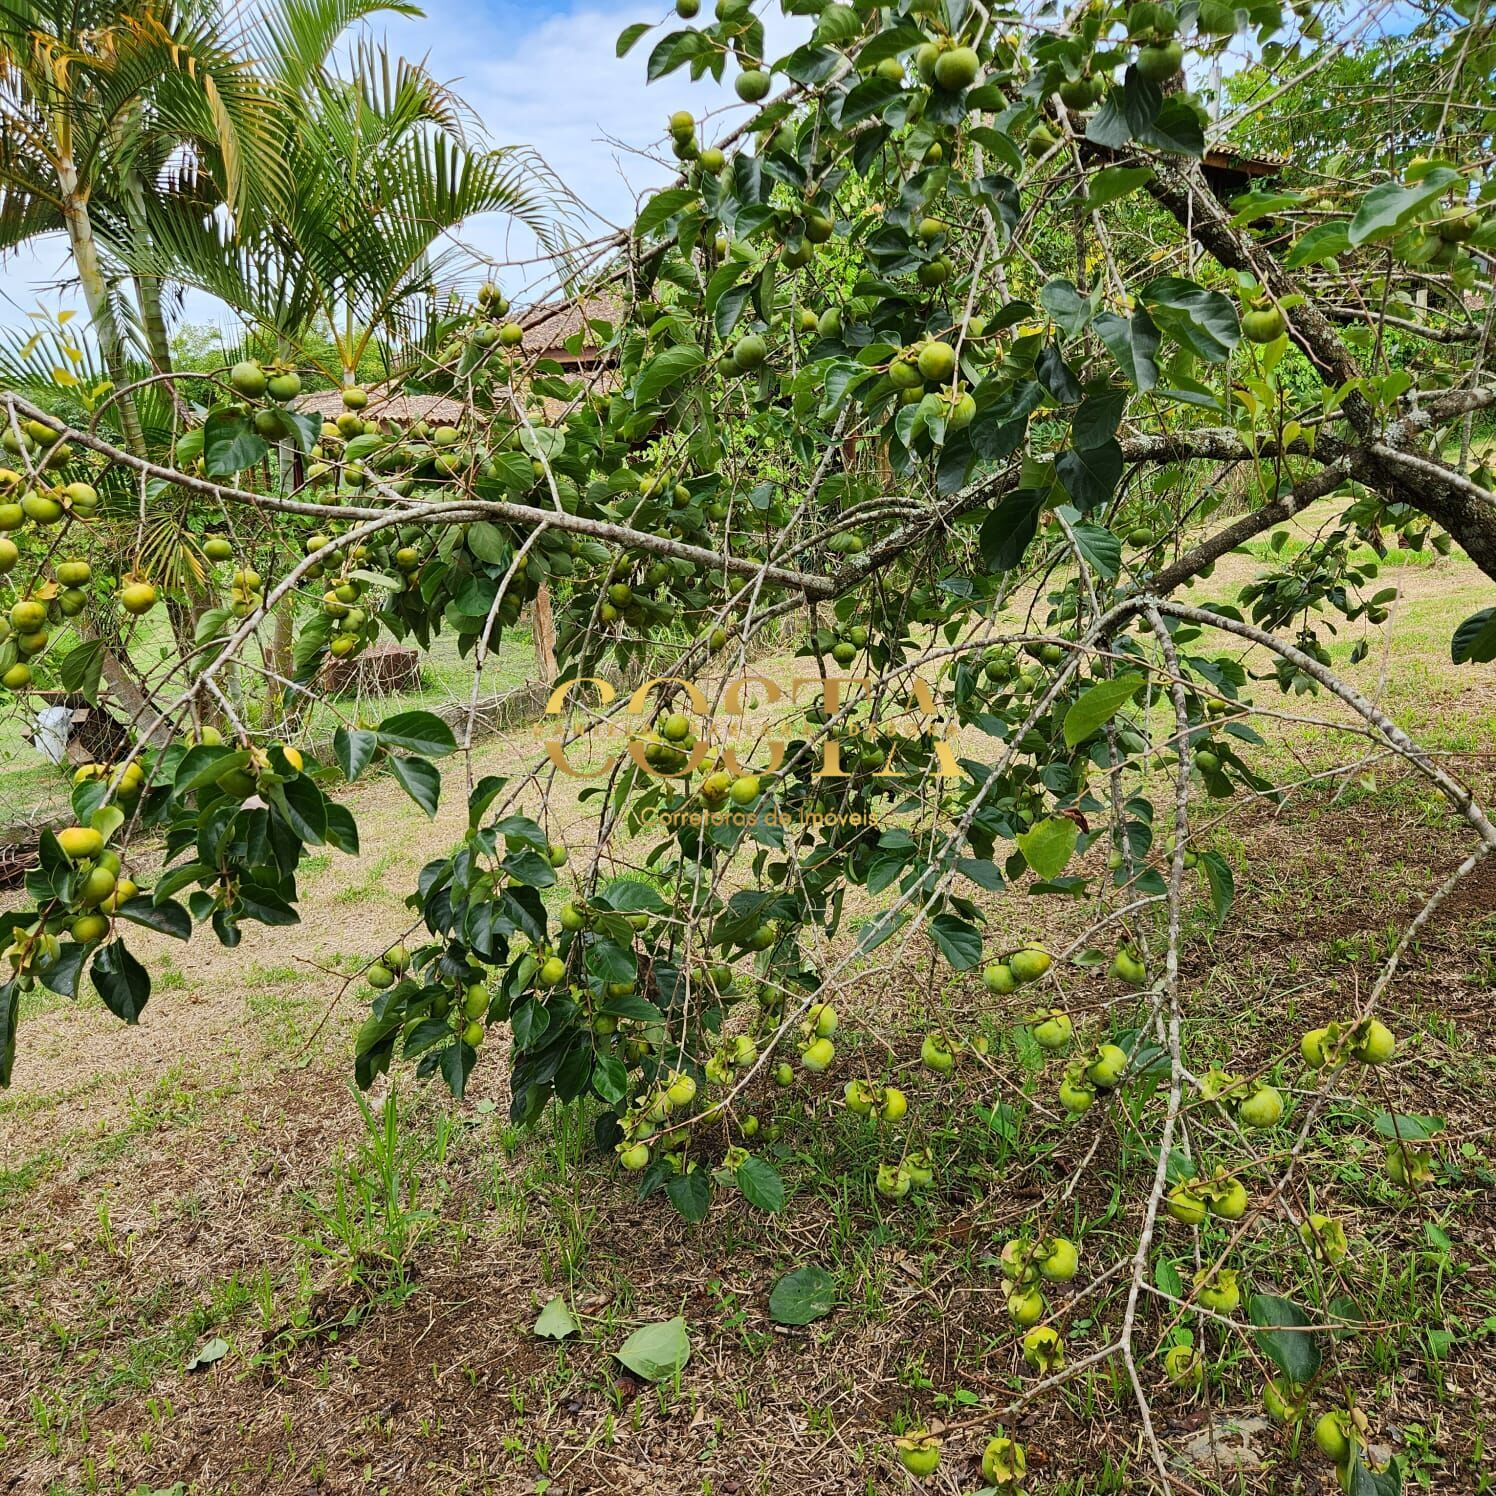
(96, 293)
(153, 320)
(545, 635)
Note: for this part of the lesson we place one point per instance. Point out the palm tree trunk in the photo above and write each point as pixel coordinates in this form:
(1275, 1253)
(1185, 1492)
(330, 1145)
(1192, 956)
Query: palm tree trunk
(122, 683)
(96, 293)
(153, 320)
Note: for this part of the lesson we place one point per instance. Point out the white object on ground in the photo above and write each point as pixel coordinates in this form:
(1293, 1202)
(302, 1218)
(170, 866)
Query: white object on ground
(53, 726)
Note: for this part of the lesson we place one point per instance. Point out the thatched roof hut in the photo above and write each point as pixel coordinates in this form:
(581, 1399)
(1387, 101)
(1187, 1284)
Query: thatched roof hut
(388, 403)
(551, 326)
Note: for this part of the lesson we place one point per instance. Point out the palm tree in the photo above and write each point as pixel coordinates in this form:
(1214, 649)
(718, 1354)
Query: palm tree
(96, 101)
(383, 166)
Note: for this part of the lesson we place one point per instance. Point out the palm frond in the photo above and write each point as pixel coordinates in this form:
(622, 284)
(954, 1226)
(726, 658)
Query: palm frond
(294, 38)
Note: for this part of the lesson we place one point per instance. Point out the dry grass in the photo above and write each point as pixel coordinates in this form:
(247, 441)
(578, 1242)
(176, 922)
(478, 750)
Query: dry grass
(166, 1185)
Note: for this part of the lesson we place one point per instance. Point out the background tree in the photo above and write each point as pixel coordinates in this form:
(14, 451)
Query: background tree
(105, 108)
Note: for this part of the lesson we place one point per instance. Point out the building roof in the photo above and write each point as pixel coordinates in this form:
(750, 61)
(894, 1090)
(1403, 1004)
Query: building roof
(1223, 158)
(387, 404)
(549, 326)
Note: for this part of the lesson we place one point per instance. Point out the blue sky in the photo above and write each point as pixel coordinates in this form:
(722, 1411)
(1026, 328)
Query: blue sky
(542, 73)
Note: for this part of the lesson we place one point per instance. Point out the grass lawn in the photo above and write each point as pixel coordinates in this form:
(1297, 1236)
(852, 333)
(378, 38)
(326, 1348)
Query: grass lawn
(364, 1274)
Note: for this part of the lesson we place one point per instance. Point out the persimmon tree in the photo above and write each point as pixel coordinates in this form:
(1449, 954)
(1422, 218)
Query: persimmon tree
(951, 317)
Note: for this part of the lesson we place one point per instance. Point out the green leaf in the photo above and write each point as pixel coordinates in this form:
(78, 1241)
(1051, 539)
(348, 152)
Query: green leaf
(1407, 1127)
(1204, 322)
(205, 765)
(1364, 1481)
(300, 804)
(761, 1184)
(654, 1352)
(1010, 526)
(1176, 128)
(266, 906)
(1475, 639)
(610, 962)
(209, 1354)
(1388, 207)
(353, 749)
(485, 792)
(691, 1195)
(890, 41)
(629, 896)
(342, 829)
(981, 872)
(1102, 550)
(1047, 845)
(106, 820)
(1096, 422)
(61, 976)
(1090, 476)
(488, 542)
(167, 918)
(1322, 242)
(230, 444)
(182, 877)
(960, 943)
(626, 39)
(1140, 111)
(1167, 1277)
(420, 780)
(1115, 182)
(1222, 884)
(456, 1065)
(1098, 704)
(80, 667)
(417, 732)
(802, 1295)
(528, 1023)
(556, 1321)
(666, 369)
(610, 1078)
(530, 868)
(302, 428)
(838, 23)
(632, 1006)
(729, 308)
(673, 51)
(1133, 343)
(662, 207)
(869, 97)
(1284, 1338)
(1067, 308)
(212, 623)
(1247, 207)
(123, 983)
(10, 1015)
(1109, 125)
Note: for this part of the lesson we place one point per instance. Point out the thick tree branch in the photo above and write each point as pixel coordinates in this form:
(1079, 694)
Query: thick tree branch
(1434, 488)
(452, 512)
(1239, 531)
(1350, 316)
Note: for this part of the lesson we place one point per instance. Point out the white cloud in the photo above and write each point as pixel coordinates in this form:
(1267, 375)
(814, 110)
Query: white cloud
(561, 89)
